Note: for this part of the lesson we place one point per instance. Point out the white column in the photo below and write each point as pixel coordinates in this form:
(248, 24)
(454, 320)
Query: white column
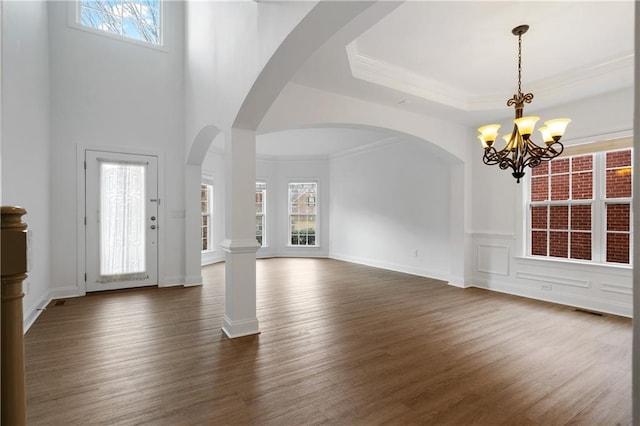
(192, 225)
(240, 243)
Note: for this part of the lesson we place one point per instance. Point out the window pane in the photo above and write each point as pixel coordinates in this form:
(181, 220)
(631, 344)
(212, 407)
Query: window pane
(539, 188)
(259, 228)
(618, 248)
(122, 219)
(540, 169)
(582, 186)
(539, 217)
(581, 245)
(135, 19)
(618, 178)
(559, 217)
(581, 217)
(539, 243)
(558, 244)
(618, 183)
(582, 163)
(559, 186)
(302, 208)
(204, 199)
(618, 217)
(617, 159)
(560, 165)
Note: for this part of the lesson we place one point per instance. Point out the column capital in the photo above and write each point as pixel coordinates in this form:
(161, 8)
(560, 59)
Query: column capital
(240, 246)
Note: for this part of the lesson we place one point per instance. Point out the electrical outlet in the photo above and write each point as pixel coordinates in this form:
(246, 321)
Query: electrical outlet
(546, 287)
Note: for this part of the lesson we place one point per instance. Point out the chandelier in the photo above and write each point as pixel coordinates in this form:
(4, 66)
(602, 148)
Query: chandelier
(520, 151)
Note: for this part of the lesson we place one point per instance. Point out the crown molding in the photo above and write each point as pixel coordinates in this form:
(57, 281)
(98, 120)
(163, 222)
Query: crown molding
(614, 73)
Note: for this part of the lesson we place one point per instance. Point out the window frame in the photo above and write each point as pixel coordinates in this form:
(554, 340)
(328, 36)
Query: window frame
(315, 215)
(598, 202)
(262, 214)
(74, 21)
(209, 215)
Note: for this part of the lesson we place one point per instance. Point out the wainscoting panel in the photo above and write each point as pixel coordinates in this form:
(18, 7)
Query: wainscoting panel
(498, 266)
(617, 288)
(493, 259)
(554, 279)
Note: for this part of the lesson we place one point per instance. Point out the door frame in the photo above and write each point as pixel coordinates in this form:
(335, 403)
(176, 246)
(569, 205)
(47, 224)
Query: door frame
(81, 254)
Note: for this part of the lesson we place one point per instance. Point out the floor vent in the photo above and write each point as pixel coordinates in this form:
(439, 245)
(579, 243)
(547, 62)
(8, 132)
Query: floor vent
(59, 302)
(586, 311)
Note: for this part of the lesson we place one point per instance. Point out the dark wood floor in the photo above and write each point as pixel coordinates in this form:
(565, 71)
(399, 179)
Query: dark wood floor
(340, 344)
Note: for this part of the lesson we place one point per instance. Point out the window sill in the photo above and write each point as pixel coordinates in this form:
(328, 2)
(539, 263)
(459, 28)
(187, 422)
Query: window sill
(311, 247)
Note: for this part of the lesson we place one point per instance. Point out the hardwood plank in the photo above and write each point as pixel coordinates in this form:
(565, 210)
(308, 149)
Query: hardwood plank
(341, 344)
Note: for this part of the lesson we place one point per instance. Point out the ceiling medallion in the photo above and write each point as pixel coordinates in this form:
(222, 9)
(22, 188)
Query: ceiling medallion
(520, 151)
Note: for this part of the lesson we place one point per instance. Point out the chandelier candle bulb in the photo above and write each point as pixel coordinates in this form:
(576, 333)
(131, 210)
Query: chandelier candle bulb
(489, 133)
(485, 145)
(526, 125)
(546, 135)
(557, 127)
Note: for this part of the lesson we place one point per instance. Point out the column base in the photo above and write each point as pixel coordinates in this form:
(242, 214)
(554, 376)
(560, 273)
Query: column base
(235, 329)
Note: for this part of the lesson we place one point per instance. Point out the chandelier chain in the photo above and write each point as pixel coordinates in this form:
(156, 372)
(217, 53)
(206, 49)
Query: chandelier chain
(519, 64)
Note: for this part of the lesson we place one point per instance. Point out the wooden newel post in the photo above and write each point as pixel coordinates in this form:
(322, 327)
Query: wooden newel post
(13, 257)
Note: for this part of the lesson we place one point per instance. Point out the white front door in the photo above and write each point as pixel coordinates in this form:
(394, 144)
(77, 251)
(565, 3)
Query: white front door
(121, 220)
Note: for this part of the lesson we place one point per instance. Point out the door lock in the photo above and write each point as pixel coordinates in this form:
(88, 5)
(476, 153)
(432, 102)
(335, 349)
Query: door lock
(153, 227)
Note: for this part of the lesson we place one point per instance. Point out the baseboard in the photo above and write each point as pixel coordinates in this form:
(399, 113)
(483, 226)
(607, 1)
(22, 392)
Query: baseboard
(32, 313)
(174, 281)
(192, 281)
(407, 269)
(235, 329)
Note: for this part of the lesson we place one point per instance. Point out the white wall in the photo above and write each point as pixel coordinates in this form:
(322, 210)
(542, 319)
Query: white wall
(390, 209)
(228, 44)
(121, 96)
(25, 135)
(497, 224)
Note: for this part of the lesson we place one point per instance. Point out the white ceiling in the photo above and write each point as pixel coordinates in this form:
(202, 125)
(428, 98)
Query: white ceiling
(458, 60)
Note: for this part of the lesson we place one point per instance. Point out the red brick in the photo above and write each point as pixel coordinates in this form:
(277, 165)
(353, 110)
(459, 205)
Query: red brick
(618, 248)
(581, 245)
(539, 217)
(558, 244)
(539, 243)
(581, 217)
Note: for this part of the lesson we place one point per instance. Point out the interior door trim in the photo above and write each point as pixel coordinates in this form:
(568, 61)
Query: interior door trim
(81, 243)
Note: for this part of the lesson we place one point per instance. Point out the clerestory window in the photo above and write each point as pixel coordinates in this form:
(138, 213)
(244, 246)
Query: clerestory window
(139, 20)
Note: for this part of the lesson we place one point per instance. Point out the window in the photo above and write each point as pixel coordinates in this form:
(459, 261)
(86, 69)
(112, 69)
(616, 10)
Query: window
(132, 19)
(303, 204)
(261, 205)
(206, 199)
(579, 207)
